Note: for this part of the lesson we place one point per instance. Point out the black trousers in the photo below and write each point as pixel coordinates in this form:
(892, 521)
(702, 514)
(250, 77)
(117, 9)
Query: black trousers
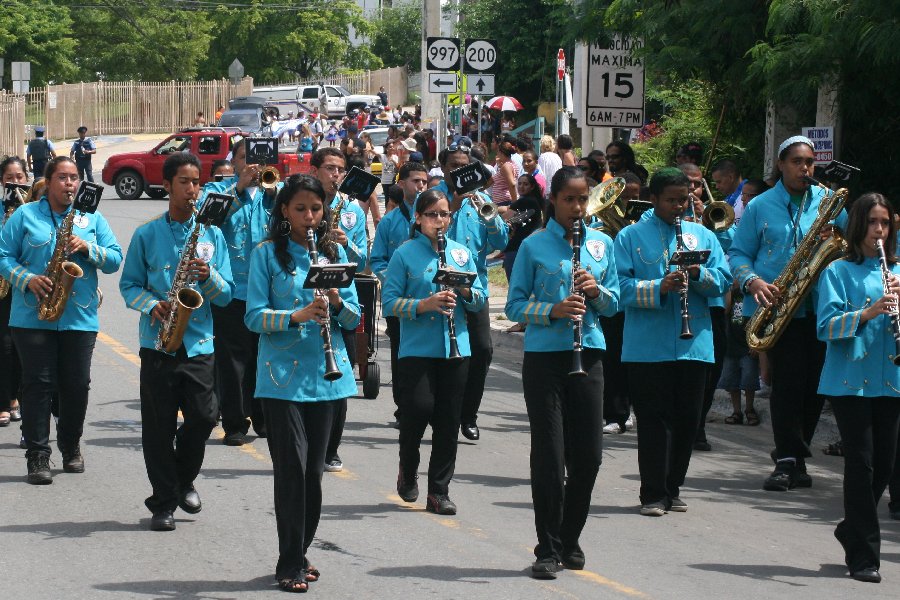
(668, 398)
(616, 405)
(54, 363)
(797, 360)
(894, 485)
(431, 393)
(340, 414)
(714, 372)
(565, 414)
(236, 348)
(10, 367)
(173, 454)
(393, 332)
(479, 326)
(85, 171)
(298, 434)
(869, 428)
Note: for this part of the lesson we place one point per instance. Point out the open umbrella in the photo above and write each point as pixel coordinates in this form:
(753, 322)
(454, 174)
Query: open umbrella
(504, 103)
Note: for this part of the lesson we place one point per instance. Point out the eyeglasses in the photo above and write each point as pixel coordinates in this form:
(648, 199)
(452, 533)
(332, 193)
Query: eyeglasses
(437, 214)
(62, 178)
(459, 147)
(333, 169)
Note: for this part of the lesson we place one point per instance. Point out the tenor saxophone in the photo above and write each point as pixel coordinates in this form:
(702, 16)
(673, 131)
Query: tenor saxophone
(61, 272)
(4, 283)
(799, 274)
(183, 299)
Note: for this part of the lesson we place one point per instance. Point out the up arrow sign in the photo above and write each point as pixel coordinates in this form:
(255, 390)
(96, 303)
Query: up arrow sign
(484, 84)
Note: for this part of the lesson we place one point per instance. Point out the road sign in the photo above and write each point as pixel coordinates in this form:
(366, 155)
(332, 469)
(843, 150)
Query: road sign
(443, 83)
(560, 65)
(481, 56)
(482, 85)
(823, 139)
(443, 54)
(455, 99)
(21, 71)
(615, 84)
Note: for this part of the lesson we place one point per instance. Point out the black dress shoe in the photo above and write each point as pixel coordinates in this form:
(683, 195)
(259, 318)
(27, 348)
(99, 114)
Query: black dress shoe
(703, 446)
(573, 559)
(470, 431)
(162, 521)
(189, 501)
(869, 575)
(407, 486)
(545, 568)
(235, 438)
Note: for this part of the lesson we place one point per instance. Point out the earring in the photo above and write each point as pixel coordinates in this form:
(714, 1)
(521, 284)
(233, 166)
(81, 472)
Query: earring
(284, 228)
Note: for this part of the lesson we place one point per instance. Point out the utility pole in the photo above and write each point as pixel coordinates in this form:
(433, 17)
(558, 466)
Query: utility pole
(432, 109)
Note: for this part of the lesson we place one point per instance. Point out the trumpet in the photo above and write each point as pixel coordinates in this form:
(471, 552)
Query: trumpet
(486, 210)
(717, 215)
(269, 178)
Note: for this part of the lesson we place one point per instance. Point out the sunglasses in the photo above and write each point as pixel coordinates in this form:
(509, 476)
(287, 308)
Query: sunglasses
(460, 147)
(436, 214)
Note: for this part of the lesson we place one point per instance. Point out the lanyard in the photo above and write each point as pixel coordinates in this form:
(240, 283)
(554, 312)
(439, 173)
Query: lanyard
(795, 222)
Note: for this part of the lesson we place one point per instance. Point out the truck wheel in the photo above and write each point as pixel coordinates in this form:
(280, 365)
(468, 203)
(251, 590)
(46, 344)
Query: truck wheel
(372, 382)
(129, 185)
(156, 193)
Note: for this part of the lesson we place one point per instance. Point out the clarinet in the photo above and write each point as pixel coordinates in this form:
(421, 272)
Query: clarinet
(686, 333)
(577, 368)
(451, 322)
(331, 369)
(895, 312)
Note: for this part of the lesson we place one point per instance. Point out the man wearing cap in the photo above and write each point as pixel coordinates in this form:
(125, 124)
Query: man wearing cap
(771, 229)
(82, 150)
(39, 152)
(382, 96)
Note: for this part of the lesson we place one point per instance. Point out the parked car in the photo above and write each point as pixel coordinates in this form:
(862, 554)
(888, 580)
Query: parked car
(333, 100)
(248, 114)
(133, 173)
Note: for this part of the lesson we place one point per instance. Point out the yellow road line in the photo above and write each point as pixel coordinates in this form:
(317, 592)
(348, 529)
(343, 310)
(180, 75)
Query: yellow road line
(119, 348)
(613, 585)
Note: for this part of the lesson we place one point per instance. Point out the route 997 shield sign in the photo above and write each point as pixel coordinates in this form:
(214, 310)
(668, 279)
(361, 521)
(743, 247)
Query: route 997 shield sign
(615, 84)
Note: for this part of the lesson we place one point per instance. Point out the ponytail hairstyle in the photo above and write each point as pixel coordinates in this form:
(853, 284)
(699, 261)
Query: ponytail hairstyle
(561, 179)
(426, 200)
(858, 227)
(280, 227)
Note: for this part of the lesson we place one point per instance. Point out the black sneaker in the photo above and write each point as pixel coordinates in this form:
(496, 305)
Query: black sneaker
(802, 479)
(234, 439)
(782, 478)
(407, 487)
(894, 510)
(545, 568)
(73, 461)
(440, 504)
(39, 470)
(573, 559)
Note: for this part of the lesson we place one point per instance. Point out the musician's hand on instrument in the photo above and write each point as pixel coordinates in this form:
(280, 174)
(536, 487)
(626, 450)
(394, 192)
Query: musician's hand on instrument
(883, 306)
(894, 284)
(443, 302)
(465, 292)
(764, 293)
(672, 282)
(334, 297)
(198, 270)
(339, 236)
(586, 282)
(76, 244)
(246, 178)
(160, 312)
(698, 209)
(40, 286)
(570, 308)
(317, 310)
(694, 271)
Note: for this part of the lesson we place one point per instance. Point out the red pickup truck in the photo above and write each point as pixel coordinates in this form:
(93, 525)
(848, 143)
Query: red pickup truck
(132, 173)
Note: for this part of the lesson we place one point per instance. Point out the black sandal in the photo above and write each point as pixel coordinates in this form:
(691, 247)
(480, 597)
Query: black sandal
(293, 586)
(312, 574)
(736, 418)
(835, 449)
(752, 417)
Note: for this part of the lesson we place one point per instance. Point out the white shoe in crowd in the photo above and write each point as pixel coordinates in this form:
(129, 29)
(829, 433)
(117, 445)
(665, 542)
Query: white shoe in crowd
(629, 424)
(613, 428)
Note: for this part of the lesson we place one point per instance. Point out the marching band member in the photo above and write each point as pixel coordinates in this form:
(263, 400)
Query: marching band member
(183, 380)
(431, 379)
(12, 170)
(55, 355)
(329, 167)
(770, 230)
(389, 235)
(481, 238)
(299, 403)
(855, 309)
(565, 411)
(236, 346)
(667, 374)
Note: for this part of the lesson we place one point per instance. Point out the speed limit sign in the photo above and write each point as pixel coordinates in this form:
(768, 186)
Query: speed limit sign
(442, 54)
(615, 84)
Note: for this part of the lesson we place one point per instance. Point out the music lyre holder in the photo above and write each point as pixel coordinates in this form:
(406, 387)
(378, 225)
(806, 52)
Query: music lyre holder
(359, 183)
(87, 198)
(10, 197)
(262, 151)
(467, 178)
(214, 209)
(457, 279)
(325, 277)
(689, 258)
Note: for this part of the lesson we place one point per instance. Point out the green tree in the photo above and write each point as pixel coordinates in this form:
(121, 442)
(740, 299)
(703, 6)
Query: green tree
(396, 36)
(39, 33)
(148, 41)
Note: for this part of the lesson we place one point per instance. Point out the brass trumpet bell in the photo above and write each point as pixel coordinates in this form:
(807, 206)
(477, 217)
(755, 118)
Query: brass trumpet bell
(269, 178)
(718, 215)
(604, 195)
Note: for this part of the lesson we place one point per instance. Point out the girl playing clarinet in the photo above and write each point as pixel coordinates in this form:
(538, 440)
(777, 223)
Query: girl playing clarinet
(431, 378)
(565, 410)
(857, 308)
(298, 402)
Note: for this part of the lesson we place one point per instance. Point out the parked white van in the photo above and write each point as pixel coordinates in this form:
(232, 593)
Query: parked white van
(285, 97)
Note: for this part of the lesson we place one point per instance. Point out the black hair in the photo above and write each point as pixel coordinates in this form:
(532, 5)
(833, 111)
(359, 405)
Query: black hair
(630, 177)
(318, 157)
(565, 142)
(628, 159)
(51, 167)
(507, 149)
(561, 179)
(444, 156)
(292, 186)
(760, 185)
(355, 161)
(593, 165)
(523, 145)
(219, 163)
(477, 154)
(11, 160)
(241, 143)
(395, 194)
(858, 227)
(666, 177)
(728, 167)
(175, 161)
(426, 200)
(411, 167)
(596, 154)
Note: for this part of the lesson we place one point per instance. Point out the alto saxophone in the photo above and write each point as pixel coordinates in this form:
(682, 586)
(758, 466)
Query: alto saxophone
(4, 283)
(61, 272)
(183, 299)
(813, 254)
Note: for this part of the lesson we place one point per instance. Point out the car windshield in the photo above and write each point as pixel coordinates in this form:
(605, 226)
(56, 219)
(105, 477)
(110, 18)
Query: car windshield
(242, 120)
(378, 137)
(342, 90)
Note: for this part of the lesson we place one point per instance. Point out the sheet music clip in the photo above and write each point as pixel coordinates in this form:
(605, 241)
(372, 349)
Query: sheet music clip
(838, 172)
(11, 199)
(214, 209)
(87, 198)
(262, 151)
(359, 184)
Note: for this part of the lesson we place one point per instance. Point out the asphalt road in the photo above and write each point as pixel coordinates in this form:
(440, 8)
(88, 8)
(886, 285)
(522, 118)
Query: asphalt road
(86, 536)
